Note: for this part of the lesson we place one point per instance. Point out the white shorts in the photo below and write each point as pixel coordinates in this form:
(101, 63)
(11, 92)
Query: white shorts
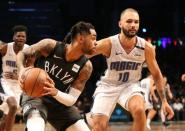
(10, 89)
(107, 96)
(148, 103)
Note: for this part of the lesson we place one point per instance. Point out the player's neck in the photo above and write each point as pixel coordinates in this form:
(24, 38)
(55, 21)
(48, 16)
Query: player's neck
(72, 53)
(17, 48)
(127, 43)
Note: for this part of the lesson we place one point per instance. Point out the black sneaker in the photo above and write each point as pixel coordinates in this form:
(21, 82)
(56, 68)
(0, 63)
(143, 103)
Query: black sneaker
(166, 124)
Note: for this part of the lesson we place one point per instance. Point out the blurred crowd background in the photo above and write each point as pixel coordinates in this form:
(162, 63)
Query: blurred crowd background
(162, 23)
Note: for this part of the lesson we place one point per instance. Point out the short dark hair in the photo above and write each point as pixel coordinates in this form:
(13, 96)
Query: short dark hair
(75, 30)
(19, 28)
(67, 38)
(82, 28)
(90, 26)
(128, 10)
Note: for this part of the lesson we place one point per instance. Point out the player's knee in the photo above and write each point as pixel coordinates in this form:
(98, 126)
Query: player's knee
(100, 125)
(138, 112)
(34, 113)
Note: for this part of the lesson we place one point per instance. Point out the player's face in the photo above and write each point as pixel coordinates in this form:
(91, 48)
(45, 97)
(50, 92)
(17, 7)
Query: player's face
(19, 38)
(89, 43)
(93, 33)
(129, 24)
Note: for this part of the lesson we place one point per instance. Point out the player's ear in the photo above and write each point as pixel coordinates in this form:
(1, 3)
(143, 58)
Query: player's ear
(80, 38)
(119, 24)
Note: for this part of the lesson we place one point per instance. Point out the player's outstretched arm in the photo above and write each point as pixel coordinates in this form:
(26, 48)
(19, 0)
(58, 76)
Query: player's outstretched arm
(158, 78)
(103, 47)
(154, 69)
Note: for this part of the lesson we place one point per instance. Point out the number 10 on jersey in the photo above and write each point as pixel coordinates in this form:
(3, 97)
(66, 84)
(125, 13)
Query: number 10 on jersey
(123, 76)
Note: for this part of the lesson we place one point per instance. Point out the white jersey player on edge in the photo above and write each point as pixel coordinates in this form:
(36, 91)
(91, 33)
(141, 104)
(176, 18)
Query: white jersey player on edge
(125, 53)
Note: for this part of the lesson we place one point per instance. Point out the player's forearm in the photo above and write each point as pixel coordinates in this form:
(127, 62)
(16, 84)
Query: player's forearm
(162, 94)
(68, 99)
(160, 88)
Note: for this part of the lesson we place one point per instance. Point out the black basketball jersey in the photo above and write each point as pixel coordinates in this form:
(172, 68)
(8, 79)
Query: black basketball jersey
(62, 72)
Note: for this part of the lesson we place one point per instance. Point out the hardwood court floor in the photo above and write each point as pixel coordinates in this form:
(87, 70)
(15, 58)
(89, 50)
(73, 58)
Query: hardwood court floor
(156, 126)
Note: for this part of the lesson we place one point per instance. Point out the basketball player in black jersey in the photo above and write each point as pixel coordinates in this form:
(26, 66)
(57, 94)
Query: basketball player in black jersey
(68, 70)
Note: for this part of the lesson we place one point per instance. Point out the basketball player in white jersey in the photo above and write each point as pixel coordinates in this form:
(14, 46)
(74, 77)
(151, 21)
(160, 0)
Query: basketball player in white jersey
(125, 53)
(147, 84)
(10, 89)
(157, 104)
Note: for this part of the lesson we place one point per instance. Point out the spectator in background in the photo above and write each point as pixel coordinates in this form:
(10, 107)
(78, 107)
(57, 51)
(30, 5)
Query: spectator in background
(178, 108)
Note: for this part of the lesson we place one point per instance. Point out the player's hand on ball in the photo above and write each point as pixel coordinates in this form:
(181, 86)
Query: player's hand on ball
(50, 80)
(49, 88)
(22, 76)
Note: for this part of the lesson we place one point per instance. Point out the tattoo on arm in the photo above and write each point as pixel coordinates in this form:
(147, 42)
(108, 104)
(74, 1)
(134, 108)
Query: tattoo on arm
(83, 76)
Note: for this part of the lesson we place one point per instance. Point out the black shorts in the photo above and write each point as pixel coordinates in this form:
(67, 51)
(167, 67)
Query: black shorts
(60, 117)
(157, 105)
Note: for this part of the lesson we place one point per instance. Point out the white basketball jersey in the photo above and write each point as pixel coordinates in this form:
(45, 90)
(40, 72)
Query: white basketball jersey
(122, 67)
(9, 60)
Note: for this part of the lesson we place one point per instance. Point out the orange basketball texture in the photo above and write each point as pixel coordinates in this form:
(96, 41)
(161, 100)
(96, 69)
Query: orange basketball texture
(33, 81)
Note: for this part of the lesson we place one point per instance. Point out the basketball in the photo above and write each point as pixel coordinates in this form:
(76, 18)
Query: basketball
(33, 81)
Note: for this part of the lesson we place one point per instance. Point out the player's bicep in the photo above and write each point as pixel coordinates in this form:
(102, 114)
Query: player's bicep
(43, 47)
(102, 47)
(151, 60)
(84, 75)
(3, 48)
